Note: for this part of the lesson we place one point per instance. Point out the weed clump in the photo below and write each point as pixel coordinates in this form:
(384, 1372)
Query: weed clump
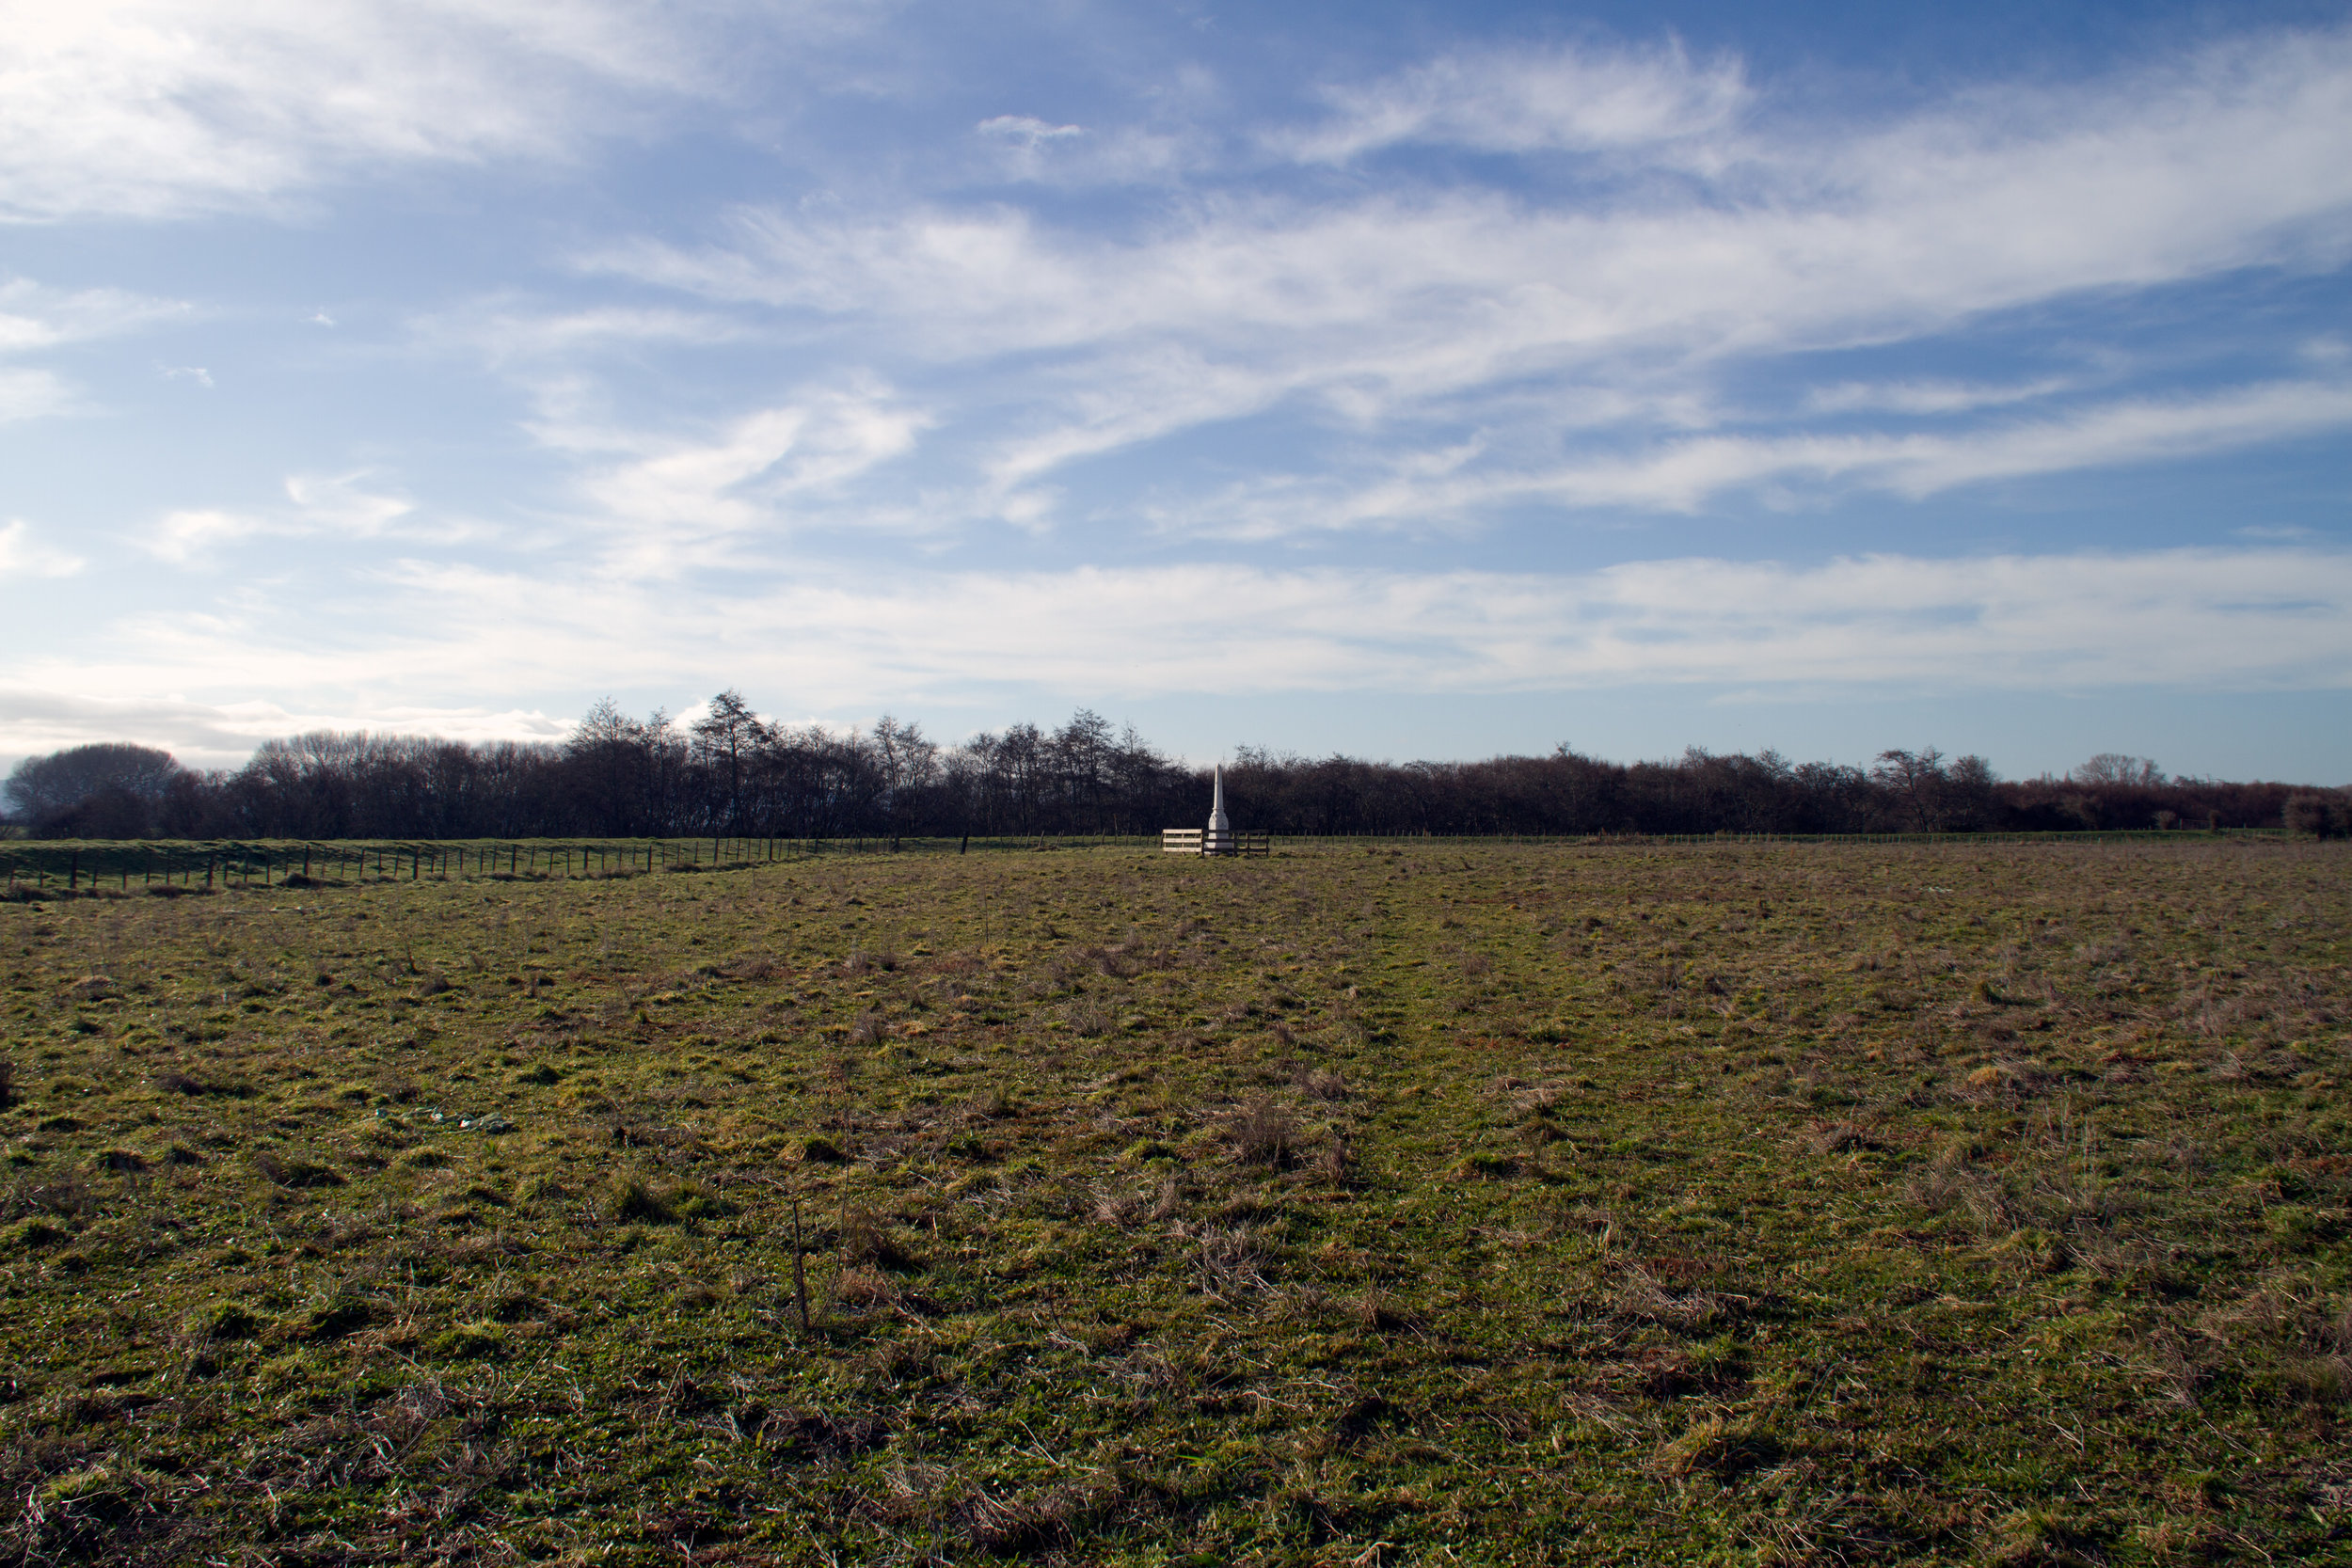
(861, 1289)
(482, 1341)
(1262, 1133)
(632, 1199)
(340, 1313)
(541, 1188)
(628, 1198)
(1324, 1084)
(1232, 1262)
(223, 1322)
(172, 1081)
(868, 1237)
(291, 1170)
(27, 1236)
(1718, 1447)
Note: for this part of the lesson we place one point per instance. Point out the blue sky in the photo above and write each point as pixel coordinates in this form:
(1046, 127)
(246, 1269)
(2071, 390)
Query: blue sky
(1406, 380)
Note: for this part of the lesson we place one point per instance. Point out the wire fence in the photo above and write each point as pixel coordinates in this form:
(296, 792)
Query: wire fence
(174, 867)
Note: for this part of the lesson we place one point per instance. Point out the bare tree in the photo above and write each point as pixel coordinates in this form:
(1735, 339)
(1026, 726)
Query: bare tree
(2113, 768)
(725, 740)
(1916, 780)
(907, 763)
(614, 770)
(118, 783)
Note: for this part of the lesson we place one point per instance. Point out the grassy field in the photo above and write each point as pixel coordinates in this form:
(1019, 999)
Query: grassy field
(1366, 1205)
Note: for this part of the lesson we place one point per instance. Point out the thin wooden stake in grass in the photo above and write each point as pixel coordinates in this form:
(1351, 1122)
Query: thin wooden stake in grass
(800, 1267)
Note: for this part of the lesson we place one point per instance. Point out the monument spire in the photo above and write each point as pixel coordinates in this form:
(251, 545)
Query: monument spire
(1218, 837)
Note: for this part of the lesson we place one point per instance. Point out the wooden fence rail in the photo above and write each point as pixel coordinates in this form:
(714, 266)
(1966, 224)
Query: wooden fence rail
(1199, 841)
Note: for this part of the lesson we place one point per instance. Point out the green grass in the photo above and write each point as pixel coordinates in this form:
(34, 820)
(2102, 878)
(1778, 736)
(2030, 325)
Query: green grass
(1561, 1203)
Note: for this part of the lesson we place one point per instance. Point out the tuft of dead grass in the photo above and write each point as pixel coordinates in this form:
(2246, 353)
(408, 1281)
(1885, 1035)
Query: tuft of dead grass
(1262, 1133)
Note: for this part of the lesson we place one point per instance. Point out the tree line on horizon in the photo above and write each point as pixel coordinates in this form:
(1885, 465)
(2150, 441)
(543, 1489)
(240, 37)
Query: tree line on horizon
(731, 773)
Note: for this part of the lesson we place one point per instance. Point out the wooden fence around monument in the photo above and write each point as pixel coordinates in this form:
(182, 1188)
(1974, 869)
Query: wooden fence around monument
(1197, 841)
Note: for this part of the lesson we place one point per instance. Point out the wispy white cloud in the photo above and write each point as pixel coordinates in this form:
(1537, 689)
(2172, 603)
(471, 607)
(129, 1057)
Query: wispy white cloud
(1026, 131)
(23, 555)
(664, 504)
(35, 319)
(32, 394)
(1686, 475)
(525, 339)
(1022, 143)
(1402, 313)
(33, 316)
(341, 506)
(345, 504)
(1025, 149)
(185, 535)
(36, 316)
(1577, 100)
(1932, 397)
(2212, 619)
(155, 108)
(35, 719)
(1901, 230)
(2208, 620)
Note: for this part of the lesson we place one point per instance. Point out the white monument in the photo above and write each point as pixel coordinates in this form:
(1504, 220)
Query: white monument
(1218, 837)
(1218, 840)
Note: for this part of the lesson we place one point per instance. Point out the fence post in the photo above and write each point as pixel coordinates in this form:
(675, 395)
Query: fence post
(73, 872)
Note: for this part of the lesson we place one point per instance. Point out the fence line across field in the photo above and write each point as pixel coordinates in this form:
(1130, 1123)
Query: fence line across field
(215, 864)
(38, 865)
